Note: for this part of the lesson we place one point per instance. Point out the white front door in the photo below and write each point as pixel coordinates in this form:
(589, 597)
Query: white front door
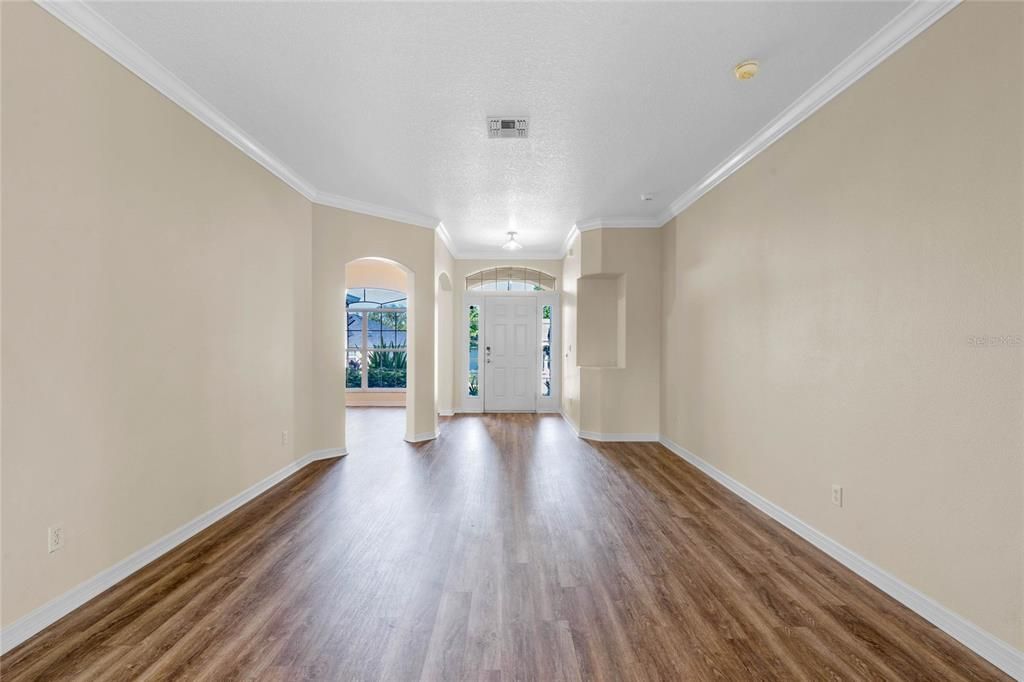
(510, 354)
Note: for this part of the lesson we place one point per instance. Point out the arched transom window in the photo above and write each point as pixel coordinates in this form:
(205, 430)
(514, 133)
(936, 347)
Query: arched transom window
(366, 298)
(510, 278)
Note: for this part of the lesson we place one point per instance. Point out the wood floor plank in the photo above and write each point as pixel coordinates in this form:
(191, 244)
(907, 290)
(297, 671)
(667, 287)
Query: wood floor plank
(507, 549)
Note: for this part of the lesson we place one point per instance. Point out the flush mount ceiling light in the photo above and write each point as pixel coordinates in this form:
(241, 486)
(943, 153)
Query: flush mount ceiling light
(646, 197)
(511, 244)
(746, 70)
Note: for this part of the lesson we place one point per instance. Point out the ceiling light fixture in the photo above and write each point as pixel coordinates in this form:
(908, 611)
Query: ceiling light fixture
(646, 197)
(512, 244)
(746, 70)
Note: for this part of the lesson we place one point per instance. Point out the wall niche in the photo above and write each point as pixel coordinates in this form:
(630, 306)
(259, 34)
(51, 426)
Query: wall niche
(601, 320)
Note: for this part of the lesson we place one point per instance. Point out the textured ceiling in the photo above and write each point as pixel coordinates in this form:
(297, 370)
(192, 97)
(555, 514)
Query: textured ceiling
(386, 103)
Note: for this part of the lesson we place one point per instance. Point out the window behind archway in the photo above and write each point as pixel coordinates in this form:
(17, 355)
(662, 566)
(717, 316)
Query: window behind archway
(510, 278)
(375, 352)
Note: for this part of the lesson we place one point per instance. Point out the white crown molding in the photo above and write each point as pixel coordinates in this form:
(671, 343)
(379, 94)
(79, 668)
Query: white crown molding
(446, 239)
(908, 24)
(904, 27)
(617, 223)
(81, 18)
(49, 613)
(77, 15)
(989, 647)
(376, 210)
(569, 239)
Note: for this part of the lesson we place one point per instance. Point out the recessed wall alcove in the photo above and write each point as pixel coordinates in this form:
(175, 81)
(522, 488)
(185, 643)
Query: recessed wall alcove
(602, 320)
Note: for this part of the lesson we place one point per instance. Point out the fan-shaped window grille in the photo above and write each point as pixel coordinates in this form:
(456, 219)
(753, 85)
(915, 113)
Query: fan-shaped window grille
(510, 278)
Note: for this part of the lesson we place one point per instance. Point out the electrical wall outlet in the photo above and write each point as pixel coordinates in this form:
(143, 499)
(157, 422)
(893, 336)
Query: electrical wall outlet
(837, 495)
(284, 438)
(54, 538)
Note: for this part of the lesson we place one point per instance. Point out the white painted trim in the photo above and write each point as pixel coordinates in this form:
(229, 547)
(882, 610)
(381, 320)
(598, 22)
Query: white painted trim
(567, 242)
(82, 19)
(420, 437)
(49, 613)
(618, 223)
(446, 413)
(475, 410)
(329, 453)
(909, 23)
(989, 647)
(446, 239)
(366, 208)
(572, 425)
(78, 16)
(610, 437)
(619, 437)
(917, 17)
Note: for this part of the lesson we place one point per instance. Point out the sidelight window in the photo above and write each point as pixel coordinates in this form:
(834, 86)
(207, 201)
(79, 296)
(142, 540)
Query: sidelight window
(473, 374)
(545, 351)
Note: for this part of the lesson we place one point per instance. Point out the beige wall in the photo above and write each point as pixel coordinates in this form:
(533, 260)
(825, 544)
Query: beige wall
(156, 313)
(612, 345)
(374, 273)
(375, 398)
(821, 303)
(444, 302)
(341, 236)
(571, 268)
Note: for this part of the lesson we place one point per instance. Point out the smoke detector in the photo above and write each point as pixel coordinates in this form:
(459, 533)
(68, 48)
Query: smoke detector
(507, 126)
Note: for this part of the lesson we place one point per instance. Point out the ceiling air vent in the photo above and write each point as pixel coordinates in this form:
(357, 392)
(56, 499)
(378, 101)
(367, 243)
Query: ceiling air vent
(510, 126)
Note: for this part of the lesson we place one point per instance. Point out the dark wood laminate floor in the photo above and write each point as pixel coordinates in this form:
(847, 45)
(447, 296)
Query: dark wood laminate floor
(505, 550)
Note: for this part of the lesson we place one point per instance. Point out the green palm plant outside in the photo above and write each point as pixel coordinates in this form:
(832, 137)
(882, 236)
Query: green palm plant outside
(386, 368)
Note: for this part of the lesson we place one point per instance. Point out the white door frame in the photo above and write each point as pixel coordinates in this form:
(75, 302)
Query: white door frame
(467, 403)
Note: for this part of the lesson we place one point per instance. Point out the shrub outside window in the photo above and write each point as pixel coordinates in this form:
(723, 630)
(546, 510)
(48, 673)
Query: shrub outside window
(376, 351)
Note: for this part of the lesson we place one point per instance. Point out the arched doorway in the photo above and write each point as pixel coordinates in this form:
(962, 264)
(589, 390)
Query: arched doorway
(379, 349)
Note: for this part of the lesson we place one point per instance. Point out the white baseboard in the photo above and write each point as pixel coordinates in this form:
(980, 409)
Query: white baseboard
(420, 437)
(610, 437)
(446, 413)
(619, 437)
(572, 425)
(989, 647)
(328, 453)
(49, 613)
